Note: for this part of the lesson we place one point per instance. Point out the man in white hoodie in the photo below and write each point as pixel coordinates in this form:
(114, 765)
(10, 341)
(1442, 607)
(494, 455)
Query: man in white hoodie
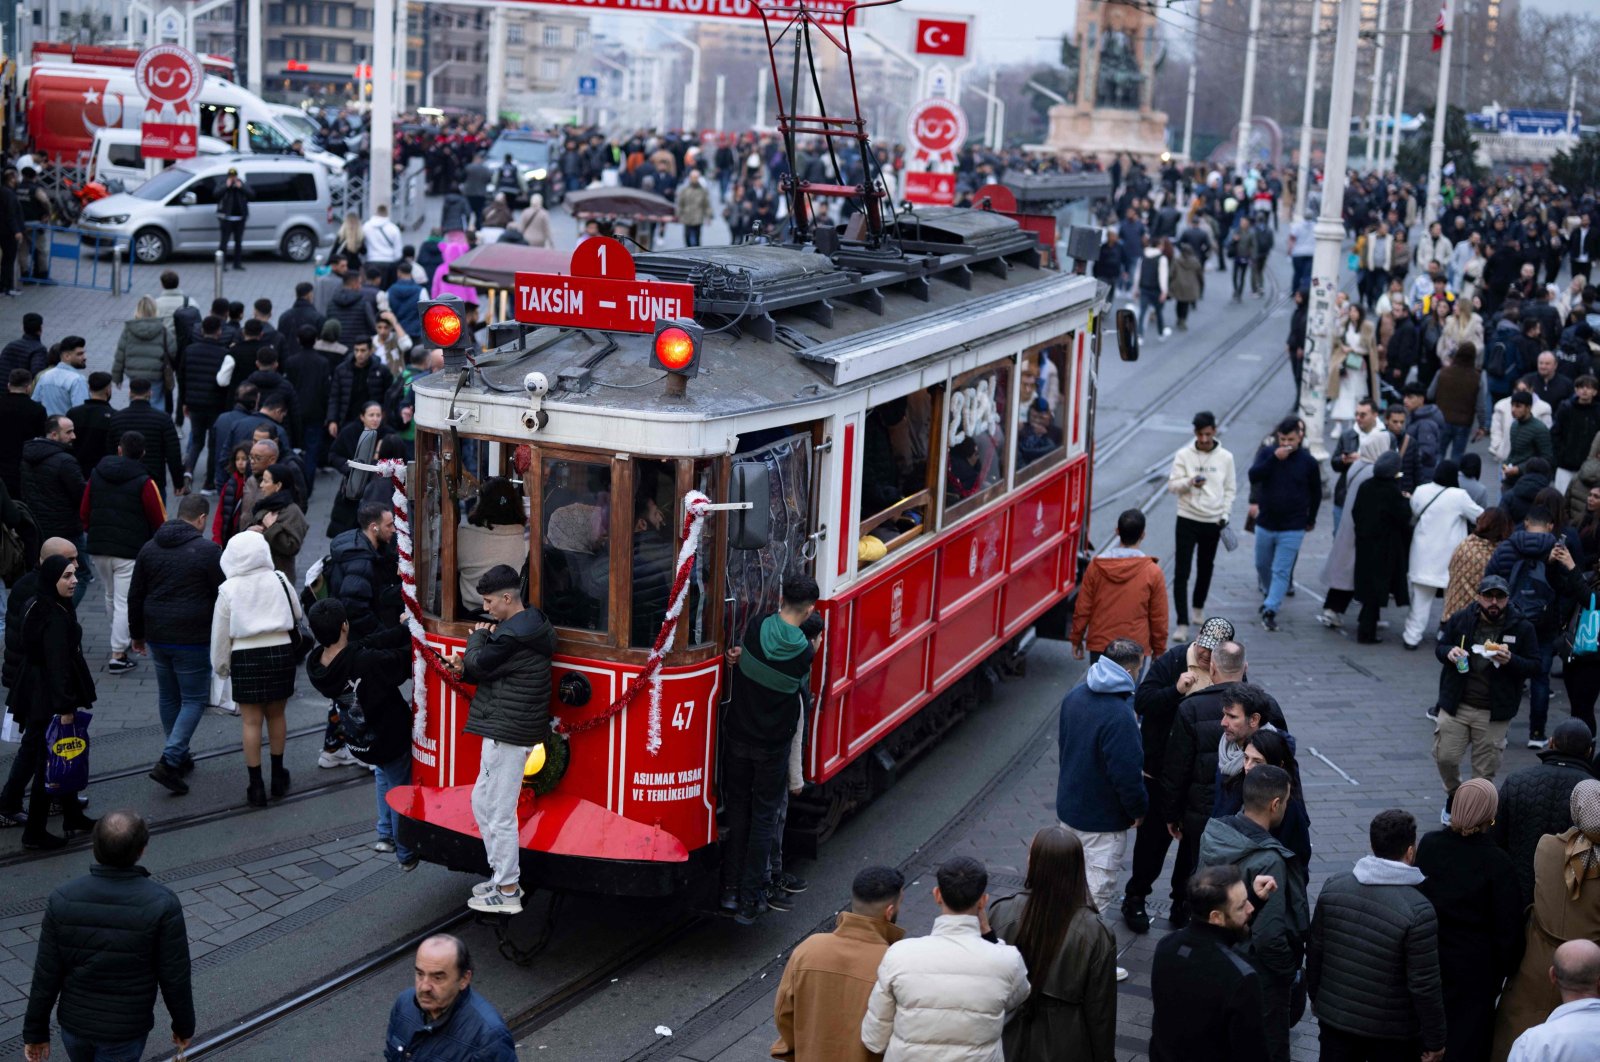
(947, 995)
(1203, 478)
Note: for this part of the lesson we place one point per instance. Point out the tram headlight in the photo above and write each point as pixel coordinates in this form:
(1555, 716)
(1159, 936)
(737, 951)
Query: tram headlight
(677, 347)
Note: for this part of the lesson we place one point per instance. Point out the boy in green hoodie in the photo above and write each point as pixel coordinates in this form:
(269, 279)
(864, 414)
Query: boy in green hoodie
(769, 669)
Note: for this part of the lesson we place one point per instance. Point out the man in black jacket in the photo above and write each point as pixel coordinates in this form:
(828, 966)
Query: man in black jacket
(1488, 650)
(108, 941)
(52, 481)
(1286, 491)
(306, 369)
(360, 378)
(170, 601)
(27, 351)
(769, 671)
(202, 398)
(1372, 959)
(361, 574)
(1537, 800)
(303, 312)
(1176, 673)
(509, 661)
(21, 419)
(1545, 583)
(121, 509)
(1206, 996)
(163, 452)
(92, 419)
(233, 210)
(357, 316)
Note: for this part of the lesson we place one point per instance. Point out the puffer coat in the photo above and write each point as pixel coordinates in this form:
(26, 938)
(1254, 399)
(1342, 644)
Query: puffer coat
(1535, 801)
(510, 665)
(143, 351)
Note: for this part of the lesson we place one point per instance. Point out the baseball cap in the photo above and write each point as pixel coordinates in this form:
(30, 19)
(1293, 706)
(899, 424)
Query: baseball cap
(1494, 584)
(1214, 632)
(232, 172)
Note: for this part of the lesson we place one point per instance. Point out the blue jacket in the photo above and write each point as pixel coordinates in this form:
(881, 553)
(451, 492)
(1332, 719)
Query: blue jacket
(1288, 491)
(471, 1031)
(404, 296)
(1101, 786)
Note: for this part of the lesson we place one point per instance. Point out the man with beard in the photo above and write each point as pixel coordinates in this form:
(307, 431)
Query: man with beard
(1206, 996)
(1488, 650)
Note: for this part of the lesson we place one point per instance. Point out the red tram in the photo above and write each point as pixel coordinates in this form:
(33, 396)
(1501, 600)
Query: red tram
(918, 437)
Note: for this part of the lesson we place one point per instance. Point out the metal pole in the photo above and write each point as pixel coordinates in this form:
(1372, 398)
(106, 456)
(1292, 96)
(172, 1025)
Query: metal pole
(761, 98)
(1400, 85)
(216, 275)
(1377, 84)
(691, 91)
(116, 268)
(1245, 105)
(1572, 106)
(380, 173)
(1387, 106)
(497, 63)
(402, 49)
(1188, 110)
(1307, 117)
(252, 42)
(1440, 112)
(722, 88)
(1329, 229)
(988, 112)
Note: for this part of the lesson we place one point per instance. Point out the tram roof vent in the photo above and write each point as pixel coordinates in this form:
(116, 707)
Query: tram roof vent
(752, 281)
(976, 235)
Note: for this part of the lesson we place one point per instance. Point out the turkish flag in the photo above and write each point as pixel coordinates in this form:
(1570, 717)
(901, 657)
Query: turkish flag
(1439, 28)
(937, 37)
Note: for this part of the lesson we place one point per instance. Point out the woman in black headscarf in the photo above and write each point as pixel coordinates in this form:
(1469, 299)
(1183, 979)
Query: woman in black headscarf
(1382, 521)
(54, 681)
(280, 517)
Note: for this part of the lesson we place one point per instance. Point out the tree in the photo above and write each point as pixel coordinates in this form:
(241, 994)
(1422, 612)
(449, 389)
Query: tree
(1579, 169)
(1460, 148)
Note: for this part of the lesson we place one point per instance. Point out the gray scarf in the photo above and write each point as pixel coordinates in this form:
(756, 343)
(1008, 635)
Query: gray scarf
(355, 479)
(1230, 757)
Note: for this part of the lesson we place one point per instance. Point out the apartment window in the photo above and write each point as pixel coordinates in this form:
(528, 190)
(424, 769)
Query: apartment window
(461, 53)
(411, 58)
(274, 14)
(313, 49)
(361, 53)
(514, 33)
(513, 67)
(550, 69)
(275, 49)
(313, 15)
(552, 36)
(580, 39)
(360, 19)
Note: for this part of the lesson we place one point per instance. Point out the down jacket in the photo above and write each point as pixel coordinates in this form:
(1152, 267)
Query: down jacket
(369, 674)
(109, 940)
(1189, 774)
(52, 487)
(510, 665)
(1156, 703)
(143, 351)
(1278, 931)
(359, 577)
(1372, 959)
(944, 997)
(471, 1031)
(1535, 801)
(174, 586)
(343, 390)
(255, 607)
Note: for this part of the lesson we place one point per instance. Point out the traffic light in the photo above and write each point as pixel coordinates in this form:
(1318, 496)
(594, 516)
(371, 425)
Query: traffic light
(677, 346)
(444, 323)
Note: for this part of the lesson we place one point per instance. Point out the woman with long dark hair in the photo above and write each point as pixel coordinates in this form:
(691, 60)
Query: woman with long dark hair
(358, 442)
(1275, 748)
(280, 517)
(54, 681)
(1071, 957)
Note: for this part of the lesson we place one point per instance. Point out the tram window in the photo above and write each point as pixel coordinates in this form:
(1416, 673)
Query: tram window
(896, 492)
(654, 549)
(426, 545)
(1040, 408)
(976, 424)
(697, 610)
(493, 531)
(576, 567)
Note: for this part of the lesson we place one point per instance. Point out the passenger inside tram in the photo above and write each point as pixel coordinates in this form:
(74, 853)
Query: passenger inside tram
(577, 537)
(653, 551)
(894, 480)
(1040, 434)
(495, 532)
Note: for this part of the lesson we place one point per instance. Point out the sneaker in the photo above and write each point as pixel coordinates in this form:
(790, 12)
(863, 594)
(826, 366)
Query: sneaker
(1122, 973)
(9, 819)
(1135, 916)
(171, 777)
(44, 842)
(484, 888)
(1166, 332)
(793, 884)
(1291, 589)
(383, 846)
(1269, 620)
(498, 903)
(341, 758)
(1537, 741)
(1410, 646)
(1444, 816)
(409, 865)
(121, 665)
(1180, 633)
(747, 914)
(729, 901)
(1330, 619)
(778, 900)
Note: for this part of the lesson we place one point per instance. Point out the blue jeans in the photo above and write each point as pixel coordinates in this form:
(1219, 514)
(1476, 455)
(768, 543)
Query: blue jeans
(387, 777)
(1275, 556)
(183, 685)
(1151, 302)
(1338, 514)
(1455, 440)
(1539, 687)
(81, 1050)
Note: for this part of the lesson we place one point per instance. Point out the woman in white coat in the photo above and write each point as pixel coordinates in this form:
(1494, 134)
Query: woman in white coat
(1444, 515)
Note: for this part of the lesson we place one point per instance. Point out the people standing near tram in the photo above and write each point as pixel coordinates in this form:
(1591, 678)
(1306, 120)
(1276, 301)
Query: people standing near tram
(1205, 483)
(508, 661)
(1123, 597)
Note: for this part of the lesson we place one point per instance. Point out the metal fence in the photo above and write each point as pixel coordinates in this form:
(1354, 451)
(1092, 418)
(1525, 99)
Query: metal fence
(407, 207)
(51, 247)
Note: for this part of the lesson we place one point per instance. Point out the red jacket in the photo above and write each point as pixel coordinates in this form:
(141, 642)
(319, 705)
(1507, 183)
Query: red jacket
(1121, 597)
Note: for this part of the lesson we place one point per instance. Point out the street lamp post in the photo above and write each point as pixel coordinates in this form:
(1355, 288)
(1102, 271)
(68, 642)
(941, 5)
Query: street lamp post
(1440, 112)
(1400, 85)
(1245, 117)
(1375, 105)
(691, 91)
(497, 64)
(1321, 321)
(1307, 117)
(1188, 110)
(380, 175)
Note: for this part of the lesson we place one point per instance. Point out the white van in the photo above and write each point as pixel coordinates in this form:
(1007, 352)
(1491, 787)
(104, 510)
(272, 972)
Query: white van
(116, 157)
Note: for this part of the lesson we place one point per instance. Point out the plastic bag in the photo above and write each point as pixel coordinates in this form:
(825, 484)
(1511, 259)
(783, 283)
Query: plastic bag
(1586, 636)
(66, 764)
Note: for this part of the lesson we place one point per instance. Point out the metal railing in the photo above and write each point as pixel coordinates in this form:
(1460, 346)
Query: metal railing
(48, 245)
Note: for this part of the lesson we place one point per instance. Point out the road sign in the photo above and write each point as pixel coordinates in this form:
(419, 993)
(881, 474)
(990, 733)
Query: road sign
(930, 189)
(601, 293)
(1536, 123)
(588, 86)
(937, 128)
(938, 37)
(170, 79)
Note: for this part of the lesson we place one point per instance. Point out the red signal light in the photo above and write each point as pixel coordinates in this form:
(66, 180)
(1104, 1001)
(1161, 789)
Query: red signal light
(674, 349)
(442, 326)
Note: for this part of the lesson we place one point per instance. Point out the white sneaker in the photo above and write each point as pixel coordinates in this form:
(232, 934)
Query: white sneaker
(497, 902)
(1330, 619)
(383, 846)
(1444, 816)
(1180, 633)
(484, 888)
(1122, 974)
(342, 758)
(1166, 331)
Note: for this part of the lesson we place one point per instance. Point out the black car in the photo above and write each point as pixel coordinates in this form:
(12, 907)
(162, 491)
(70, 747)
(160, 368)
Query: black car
(537, 159)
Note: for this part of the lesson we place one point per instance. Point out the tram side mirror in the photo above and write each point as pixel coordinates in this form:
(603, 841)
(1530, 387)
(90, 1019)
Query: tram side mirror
(749, 528)
(1127, 335)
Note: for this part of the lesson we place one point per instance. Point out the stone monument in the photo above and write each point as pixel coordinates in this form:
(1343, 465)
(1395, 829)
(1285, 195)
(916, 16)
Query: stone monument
(1116, 74)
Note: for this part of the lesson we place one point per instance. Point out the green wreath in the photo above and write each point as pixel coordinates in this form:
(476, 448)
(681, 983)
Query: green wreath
(556, 757)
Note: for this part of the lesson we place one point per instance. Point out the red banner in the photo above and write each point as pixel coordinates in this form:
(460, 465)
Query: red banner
(938, 37)
(828, 12)
(930, 189)
(168, 140)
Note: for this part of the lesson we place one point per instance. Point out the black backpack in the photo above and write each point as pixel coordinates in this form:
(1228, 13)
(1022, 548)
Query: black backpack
(1504, 357)
(1531, 592)
(186, 324)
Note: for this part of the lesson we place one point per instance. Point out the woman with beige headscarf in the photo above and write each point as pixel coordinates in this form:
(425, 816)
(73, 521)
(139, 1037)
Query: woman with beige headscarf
(1339, 571)
(1566, 906)
(1473, 888)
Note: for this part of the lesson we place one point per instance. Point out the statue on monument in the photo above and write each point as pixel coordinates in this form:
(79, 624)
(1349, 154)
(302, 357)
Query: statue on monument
(1120, 78)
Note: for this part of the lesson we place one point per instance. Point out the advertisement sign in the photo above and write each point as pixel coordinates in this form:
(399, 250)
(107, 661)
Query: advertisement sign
(1537, 123)
(938, 37)
(930, 189)
(170, 79)
(937, 128)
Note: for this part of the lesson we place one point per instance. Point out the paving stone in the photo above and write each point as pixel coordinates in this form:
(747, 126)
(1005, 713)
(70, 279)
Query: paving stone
(242, 928)
(306, 899)
(276, 885)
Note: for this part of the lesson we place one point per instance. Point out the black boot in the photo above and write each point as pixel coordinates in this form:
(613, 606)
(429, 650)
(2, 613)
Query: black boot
(255, 794)
(280, 778)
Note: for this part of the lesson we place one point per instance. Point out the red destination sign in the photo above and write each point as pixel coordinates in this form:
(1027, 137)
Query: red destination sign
(938, 37)
(930, 189)
(829, 12)
(602, 293)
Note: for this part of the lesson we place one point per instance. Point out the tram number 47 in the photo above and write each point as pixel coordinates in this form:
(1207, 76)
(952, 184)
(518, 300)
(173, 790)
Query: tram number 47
(682, 715)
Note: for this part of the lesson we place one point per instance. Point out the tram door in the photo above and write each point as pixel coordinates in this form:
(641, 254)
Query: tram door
(755, 576)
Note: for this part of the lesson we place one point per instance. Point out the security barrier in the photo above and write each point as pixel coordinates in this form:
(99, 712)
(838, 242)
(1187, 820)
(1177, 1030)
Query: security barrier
(98, 262)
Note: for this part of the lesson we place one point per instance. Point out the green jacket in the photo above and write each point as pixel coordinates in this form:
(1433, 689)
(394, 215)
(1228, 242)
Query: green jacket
(1278, 931)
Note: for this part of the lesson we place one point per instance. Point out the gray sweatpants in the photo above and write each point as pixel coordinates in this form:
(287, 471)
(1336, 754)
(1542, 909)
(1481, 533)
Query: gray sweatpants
(494, 806)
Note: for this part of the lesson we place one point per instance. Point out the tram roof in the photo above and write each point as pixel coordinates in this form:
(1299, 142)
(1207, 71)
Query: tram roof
(805, 325)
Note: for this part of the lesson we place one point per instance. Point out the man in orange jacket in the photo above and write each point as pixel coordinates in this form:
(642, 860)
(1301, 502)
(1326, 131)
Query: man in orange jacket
(1124, 595)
